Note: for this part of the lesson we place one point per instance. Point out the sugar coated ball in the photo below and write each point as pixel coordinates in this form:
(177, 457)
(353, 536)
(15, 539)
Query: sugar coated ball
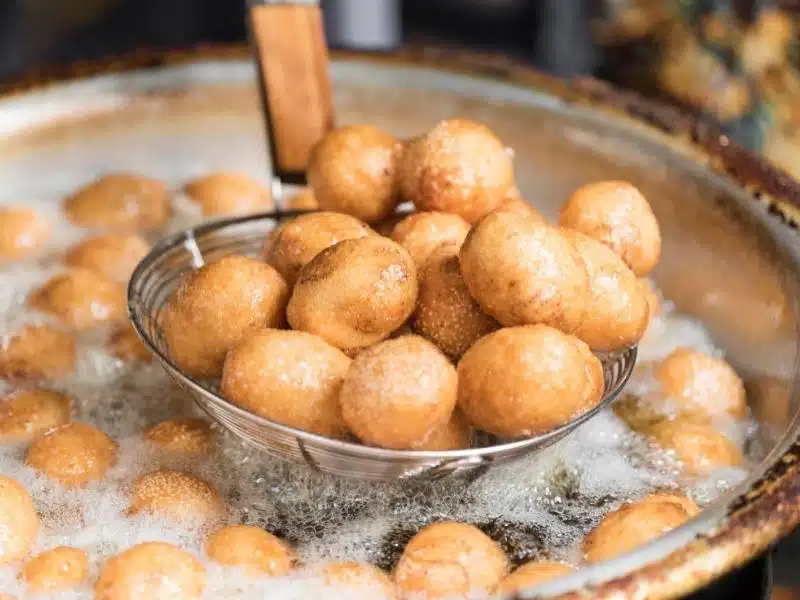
(112, 256)
(618, 215)
(56, 569)
(22, 231)
(19, 523)
(126, 344)
(519, 207)
(520, 381)
(251, 548)
(216, 306)
(73, 454)
(532, 574)
(26, 414)
(175, 495)
(450, 559)
(458, 167)
(187, 437)
(290, 377)
(455, 434)
(353, 169)
(37, 352)
(362, 578)
(422, 232)
(699, 446)
(153, 570)
(355, 293)
(229, 193)
(523, 272)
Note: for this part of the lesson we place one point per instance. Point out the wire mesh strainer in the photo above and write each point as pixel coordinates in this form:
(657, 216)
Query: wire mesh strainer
(172, 259)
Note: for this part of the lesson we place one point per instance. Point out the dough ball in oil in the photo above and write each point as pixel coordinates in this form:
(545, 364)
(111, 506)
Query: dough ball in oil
(125, 344)
(37, 352)
(120, 202)
(520, 381)
(177, 496)
(218, 305)
(458, 167)
(22, 232)
(523, 272)
(532, 574)
(251, 548)
(293, 244)
(25, 414)
(446, 314)
(353, 170)
(355, 293)
(185, 437)
(398, 392)
(616, 214)
(450, 559)
(364, 579)
(229, 193)
(152, 570)
(73, 454)
(290, 377)
(19, 523)
(455, 434)
(113, 256)
(423, 232)
(56, 569)
(81, 299)
(699, 446)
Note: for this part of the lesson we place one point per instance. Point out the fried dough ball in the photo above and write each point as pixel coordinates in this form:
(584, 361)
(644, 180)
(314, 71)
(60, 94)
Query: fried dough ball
(112, 256)
(187, 437)
(19, 523)
(294, 243)
(37, 352)
(618, 215)
(360, 577)
(522, 272)
(355, 293)
(175, 495)
(353, 169)
(120, 202)
(81, 299)
(516, 204)
(56, 569)
(229, 193)
(386, 227)
(153, 570)
(446, 314)
(458, 167)
(28, 413)
(302, 200)
(252, 548)
(218, 305)
(455, 434)
(398, 392)
(450, 559)
(699, 446)
(702, 383)
(125, 344)
(618, 312)
(635, 524)
(422, 232)
(73, 454)
(290, 377)
(520, 381)
(653, 297)
(22, 231)
(532, 573)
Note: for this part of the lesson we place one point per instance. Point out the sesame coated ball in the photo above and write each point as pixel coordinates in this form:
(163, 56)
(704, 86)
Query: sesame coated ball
(22, 232)
(19, 523)
(56, 569)
(185, 437)
(229, 193)
(25, 414)
(113, 256)
(37, 352)
(423, 232)
(251, 548)
(175, 495)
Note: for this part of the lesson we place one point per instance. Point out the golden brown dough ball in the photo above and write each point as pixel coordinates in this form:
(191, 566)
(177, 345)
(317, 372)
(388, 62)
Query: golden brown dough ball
(353, 170)
(516, 204)
(398, 392)
(289, 377)
(616, 214)
(653, 297)
(19, 523)
(37, 352)
(360, 577)
(522, 272)
(697, 445)
(229, 193)
(458, 167)
(302, 200)
(355, 293)
(635, 524)
(294, 243)
(618, 313)
(120, 202)
(81, 299)
(153, 570)
(112, 256)
(187, 437)
(22, 231)
(56, 569)
(386, 227)
(450, 559)
(218, 305)
(446, 314)
(252, 548)
(455, 434)
(702, 383)
(175, 495)
(125, 344)
(532, 573)
(73, 454)
(520, 381)
(422, 232)
(639, 413)
(26, 414)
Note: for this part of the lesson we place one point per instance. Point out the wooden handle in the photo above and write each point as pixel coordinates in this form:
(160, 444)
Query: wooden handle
(292, 56)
